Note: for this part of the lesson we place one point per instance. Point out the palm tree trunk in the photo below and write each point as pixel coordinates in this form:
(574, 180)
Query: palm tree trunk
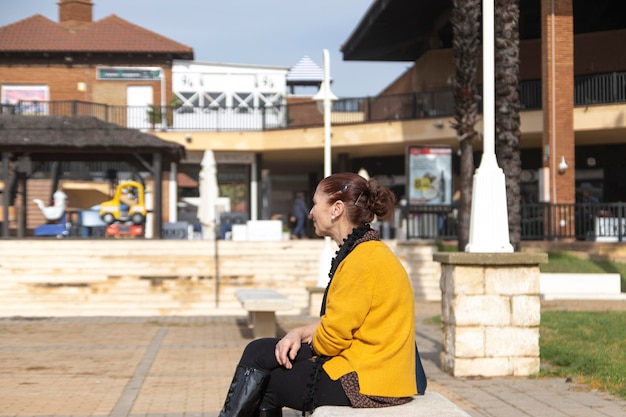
(466, 42)
(507, 108)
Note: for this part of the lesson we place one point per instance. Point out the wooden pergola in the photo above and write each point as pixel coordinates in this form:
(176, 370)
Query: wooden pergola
(81, 138)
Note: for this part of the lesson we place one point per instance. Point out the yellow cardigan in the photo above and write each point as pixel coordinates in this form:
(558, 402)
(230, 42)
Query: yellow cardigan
(369, 325)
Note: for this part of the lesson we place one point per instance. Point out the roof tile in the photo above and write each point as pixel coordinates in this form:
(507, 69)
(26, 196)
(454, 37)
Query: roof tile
(111, 34)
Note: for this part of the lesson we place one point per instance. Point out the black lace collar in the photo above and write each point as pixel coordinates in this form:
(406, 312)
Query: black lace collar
(359, 234)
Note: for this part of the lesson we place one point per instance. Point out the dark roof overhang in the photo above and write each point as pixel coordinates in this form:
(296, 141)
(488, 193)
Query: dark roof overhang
(82, 138)
(403, 30)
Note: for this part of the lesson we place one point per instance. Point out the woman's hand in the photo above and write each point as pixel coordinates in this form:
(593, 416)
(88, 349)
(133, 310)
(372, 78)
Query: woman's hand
(287, 348)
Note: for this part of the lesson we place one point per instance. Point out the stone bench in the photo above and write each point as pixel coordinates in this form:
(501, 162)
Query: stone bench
(316, 295)
(430, 404)
(261, 306)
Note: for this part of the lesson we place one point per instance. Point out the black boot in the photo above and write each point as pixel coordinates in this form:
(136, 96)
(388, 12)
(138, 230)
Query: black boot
(271, 412)
(245, 392)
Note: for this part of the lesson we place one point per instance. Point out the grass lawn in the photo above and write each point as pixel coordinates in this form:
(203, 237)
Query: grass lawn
(561, 262)
(589, 347)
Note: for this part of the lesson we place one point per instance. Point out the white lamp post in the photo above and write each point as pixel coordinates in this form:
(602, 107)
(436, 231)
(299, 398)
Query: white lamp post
(325, 96)
(489, 223)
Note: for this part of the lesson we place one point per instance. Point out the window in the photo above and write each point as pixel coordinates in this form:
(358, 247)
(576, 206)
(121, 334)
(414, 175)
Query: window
(27, 99)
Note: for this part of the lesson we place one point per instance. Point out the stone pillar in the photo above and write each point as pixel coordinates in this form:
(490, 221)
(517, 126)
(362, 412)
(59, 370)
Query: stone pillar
(490, 313)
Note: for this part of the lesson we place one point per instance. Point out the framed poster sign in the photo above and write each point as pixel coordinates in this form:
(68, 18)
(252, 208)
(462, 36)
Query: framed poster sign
(31, 99)
(429, 175)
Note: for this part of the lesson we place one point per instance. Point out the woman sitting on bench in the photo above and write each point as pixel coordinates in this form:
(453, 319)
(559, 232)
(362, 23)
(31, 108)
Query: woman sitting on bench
(361, 352)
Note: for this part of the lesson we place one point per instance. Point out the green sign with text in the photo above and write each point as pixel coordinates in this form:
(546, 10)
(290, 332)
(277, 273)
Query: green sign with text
(143, 74)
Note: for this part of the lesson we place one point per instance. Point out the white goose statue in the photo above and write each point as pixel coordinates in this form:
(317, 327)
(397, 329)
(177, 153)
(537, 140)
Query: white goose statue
(55, 211)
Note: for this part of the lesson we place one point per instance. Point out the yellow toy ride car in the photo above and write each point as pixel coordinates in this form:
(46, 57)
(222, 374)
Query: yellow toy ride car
(128, 204)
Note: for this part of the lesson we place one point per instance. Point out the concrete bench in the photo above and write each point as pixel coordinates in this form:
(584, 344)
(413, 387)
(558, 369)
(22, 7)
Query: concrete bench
(261, 306)
(431, 404)
(316, 295)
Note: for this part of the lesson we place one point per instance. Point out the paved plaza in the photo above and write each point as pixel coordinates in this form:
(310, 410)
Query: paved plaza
(182, 366)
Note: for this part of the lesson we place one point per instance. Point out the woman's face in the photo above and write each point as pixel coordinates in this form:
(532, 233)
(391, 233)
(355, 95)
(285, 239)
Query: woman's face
(320, 213)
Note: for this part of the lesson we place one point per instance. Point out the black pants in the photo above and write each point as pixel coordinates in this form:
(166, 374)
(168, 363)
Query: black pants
(288, 387)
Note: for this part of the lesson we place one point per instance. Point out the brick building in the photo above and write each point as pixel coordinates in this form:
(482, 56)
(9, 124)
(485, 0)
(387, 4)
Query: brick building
(77, 62)
(109, 61)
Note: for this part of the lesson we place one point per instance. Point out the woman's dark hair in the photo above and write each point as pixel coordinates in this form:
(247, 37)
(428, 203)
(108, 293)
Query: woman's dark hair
(363, 199)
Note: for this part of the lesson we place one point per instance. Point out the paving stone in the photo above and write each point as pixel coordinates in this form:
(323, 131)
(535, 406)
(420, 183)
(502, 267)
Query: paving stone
(182, 366)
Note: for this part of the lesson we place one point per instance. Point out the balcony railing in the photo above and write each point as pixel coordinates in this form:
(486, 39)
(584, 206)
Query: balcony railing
(602, 222)
(588, 90)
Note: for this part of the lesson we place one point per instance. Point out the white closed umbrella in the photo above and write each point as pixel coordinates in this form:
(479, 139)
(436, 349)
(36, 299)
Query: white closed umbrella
(207, 205)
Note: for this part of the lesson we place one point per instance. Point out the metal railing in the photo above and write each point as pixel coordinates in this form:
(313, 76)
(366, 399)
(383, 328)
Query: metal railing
(600, 222)
(588, 90)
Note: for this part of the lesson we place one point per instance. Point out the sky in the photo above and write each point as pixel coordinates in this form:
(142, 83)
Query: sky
(252, 32)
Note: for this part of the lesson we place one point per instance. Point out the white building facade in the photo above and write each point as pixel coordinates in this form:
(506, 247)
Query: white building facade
(228, 96)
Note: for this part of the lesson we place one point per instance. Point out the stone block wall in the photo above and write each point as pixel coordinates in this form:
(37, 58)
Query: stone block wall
(490, 313)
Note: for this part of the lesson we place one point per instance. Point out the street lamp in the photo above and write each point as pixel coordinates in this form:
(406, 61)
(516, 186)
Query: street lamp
(489, 223)
(325, 97)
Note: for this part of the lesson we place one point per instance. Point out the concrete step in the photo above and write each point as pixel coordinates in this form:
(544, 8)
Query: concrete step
(113, 308)
(144, 277)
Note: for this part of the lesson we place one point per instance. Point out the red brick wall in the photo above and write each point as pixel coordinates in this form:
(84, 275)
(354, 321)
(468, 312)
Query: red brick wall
(63, 82)
(558, 104)
(78, 10)
(594, 53)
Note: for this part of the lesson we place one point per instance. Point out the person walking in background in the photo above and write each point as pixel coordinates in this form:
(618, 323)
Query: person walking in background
(299, 214)
(361, 352)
